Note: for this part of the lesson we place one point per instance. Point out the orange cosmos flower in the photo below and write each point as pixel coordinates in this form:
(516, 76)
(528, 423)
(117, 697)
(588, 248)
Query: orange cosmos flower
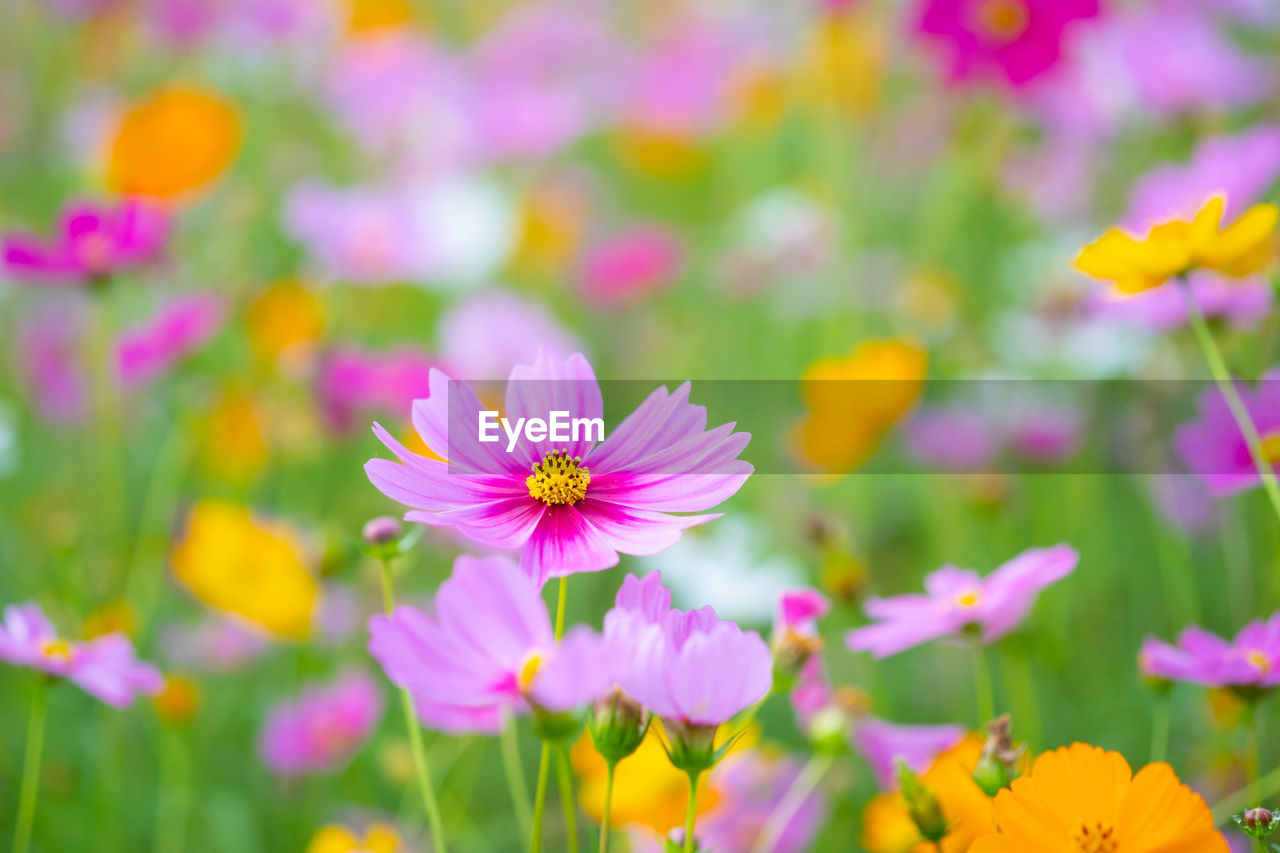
(1082, 799)
(175, 141)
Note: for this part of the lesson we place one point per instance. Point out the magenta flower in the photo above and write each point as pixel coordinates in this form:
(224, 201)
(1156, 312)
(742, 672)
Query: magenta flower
(959, 600)
(323, 728)
(353, 384)
(569, 506)
(632, 265)
(751, 787)
(93, 241)
(180, 327)
(799, 611)
(884, 744)
(1215, 450)
(1252, 659)
(106, 667)
(488, 649)
(1019, 40)
(952, 439)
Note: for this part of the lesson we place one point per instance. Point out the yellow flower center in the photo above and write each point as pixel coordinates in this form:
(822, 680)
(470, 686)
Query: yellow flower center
(529, 670)
(1096, 839)
(558, 479)
(1001, 21)
(1259, 661)
(57, 649)
(1271, 446)
(968, 599)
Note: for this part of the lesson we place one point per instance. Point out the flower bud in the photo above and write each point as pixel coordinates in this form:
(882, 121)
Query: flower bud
(998, 764)
(381, 531)
(1258, 822)
(618, 725)
(556, 726)
(922, 806)
(791, 651)
(693, 747)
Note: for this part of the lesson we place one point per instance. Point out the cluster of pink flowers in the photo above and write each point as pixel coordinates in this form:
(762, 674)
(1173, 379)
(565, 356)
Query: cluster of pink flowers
(1251, 660)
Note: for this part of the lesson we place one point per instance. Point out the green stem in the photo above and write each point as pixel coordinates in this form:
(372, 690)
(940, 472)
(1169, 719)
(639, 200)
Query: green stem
(565, 778)
(560, 603)
(31, 769)
(429, 803)
(800, 789)
(172, 804)
(983, 687)
(1160, 729)
(1222, 376)
(1252, 759)
(691, 811)
(608, 807)
(540, 799)
(515, 776)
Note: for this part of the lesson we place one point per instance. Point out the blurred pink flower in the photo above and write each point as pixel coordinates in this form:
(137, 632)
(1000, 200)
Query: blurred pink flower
(48, 358)
(361, 234)
(105, 668)
(951, 439)
(632, 265)
(353, 385)
(1183, 501)
(93, 241)
(884, 744)
(1018, 40)
(487, 334)
(569, 506)
(1252, 659)
(1043, 433)
(1242, 302)
(180, 327)
(1240, 168)
(957, 600)
(751, 788)
(215, 643)
(1213, 447)
(489, 648)
(323, 728)
(799, 610)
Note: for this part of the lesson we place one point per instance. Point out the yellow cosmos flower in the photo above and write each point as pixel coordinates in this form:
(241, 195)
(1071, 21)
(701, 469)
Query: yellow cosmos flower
(235, 447)
(887, 828)
(380, 838)
(239, 564)
(367, 16)
(853, 400)
(841, 67)
(660, 153)
(1084, 799)
(554, 219)
(176, 141)
(284, 322)
(1175, 248)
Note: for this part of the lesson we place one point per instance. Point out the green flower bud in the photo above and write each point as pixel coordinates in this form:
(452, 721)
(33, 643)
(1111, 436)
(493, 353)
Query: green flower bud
(618, 725)
(693, 747)
(922, 806)
(998, 764)
(1258, 823)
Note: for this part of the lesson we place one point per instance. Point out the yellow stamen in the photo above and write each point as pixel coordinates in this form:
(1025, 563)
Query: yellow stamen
(1259, 661)
(57, 649)
(529, 670)
(558, 479)
(968, 599)
(1271, 446)
(1096, 838)
(1001, 21)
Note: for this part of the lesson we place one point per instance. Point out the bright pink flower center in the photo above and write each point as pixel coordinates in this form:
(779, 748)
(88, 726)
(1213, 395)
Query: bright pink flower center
(1000, 22)
(558, 479)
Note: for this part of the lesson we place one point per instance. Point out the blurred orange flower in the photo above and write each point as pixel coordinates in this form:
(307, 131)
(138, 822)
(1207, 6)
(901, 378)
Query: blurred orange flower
(175, 141)
(235, 445)
(178, 701)
(284, 321)
(366, 16)
(239, 564)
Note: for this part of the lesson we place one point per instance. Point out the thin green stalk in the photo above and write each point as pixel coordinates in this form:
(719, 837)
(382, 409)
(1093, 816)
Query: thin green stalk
(1160, 729)
(565, 779)
(429, 803)
(608, 807)
(31, 769)
(540, 799)
(1222, 376)
(691, 812)
(983, 687)
(172, 804)
(563, 597)
(515, 776)
(1247, 797)
(1252, 750)
(800, 789)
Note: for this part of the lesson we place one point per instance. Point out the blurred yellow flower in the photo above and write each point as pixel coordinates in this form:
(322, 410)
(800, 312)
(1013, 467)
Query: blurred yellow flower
(853, 400)
(112, 618)
(647, 790)
(284, 322)
(841, 68)
(1175, 248)
(366, 16)
(554, 218)
(380, 838)
(178, 701)
(887, 828)
(239, 564)
(174, 142)
(235, 444)
(660, 153)
(759, 96)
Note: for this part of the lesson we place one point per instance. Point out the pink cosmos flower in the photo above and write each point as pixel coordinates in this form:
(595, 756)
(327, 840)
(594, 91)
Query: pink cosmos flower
(954, 438)
(1241, 302)
(1213, 447)
(93, 241)
(352, 384)
(632, 265)
(216, 643)
(323, 728)
(488, 649)
(958, 600)
(884, 744)
(799, 611)
(485, 335)
(47, 355)
(751, 787)
(569, 506)
(1252, 659)
(181, 326)
(105, 668)
(1017, 39)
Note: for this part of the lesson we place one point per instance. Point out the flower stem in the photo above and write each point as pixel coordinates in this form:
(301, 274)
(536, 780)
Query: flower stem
(1222, 376)
(1160, 730)
(800, 789)
(1247, 797)
(174, 799)
(982, 686)
(1252, 761)
(608, 807)
(515, 775)
(31, 770)
(544, 763)
(565, 774)
(429, 803)
(691, 811)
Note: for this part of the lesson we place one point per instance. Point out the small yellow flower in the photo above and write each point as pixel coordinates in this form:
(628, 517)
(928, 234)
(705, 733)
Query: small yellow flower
(239, 564)
(1175, 248)
(178, 701)
(380, 838)
(117, 617)
(284, 322)
(235, 447)
(176, 141)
